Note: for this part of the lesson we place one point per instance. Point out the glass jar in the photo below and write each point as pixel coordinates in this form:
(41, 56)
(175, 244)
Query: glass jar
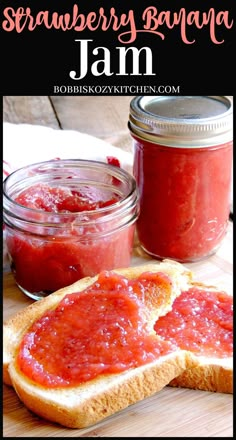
(182, 165)
(67, 219)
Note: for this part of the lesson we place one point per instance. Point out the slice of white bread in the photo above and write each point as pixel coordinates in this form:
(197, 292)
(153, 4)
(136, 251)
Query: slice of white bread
(211, 373)
(90, 402)
(15, 327)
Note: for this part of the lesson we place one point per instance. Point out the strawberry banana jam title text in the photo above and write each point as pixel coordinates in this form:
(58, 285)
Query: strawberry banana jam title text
(124, 25)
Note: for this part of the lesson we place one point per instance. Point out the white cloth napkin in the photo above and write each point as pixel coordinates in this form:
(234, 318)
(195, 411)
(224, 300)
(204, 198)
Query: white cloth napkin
(24, 144)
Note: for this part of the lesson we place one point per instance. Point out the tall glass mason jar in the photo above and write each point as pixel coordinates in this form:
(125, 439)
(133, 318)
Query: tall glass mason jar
(67, 219)
(183, 148)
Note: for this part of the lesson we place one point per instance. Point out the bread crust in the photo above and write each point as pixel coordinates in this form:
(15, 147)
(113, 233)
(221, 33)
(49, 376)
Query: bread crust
(207, 377)
(88, 403)
(120, 391)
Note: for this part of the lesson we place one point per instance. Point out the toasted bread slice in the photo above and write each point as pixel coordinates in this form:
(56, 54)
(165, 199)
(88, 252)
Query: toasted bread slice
(17, 326)
(210, 373)
(82, 405)
(91, 401)
(214, 364)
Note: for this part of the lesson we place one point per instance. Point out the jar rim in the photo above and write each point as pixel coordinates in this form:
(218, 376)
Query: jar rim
(120, 205)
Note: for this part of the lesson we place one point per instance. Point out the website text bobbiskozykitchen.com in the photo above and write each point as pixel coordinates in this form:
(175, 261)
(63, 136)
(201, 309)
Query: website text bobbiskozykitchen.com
(116, 89)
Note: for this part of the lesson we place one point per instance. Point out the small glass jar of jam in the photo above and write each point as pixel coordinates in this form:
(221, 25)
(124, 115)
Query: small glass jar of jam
(183, 149)
(67, 219)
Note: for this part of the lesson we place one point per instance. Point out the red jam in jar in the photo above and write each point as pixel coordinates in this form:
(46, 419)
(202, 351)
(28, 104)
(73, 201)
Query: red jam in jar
(67, 219)
(183, 166)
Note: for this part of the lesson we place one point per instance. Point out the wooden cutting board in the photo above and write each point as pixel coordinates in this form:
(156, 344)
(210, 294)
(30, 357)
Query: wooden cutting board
(172, 412)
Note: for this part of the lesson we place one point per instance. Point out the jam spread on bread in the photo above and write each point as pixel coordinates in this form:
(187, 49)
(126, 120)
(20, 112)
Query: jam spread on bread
(101, 330)
(105, 329)
(200, 321)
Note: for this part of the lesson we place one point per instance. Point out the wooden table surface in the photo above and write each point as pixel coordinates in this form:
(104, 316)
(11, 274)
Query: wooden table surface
(172, 412)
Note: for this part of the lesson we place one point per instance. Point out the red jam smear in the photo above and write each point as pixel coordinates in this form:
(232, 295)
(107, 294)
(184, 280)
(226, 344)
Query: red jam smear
(49, 261)
(200, 321)
(101, 330)
(185, 195)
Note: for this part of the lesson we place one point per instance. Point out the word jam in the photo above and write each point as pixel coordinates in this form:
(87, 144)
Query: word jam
(102, 66)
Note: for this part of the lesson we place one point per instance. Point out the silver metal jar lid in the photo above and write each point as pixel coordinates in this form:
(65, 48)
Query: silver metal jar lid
(182, 121)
